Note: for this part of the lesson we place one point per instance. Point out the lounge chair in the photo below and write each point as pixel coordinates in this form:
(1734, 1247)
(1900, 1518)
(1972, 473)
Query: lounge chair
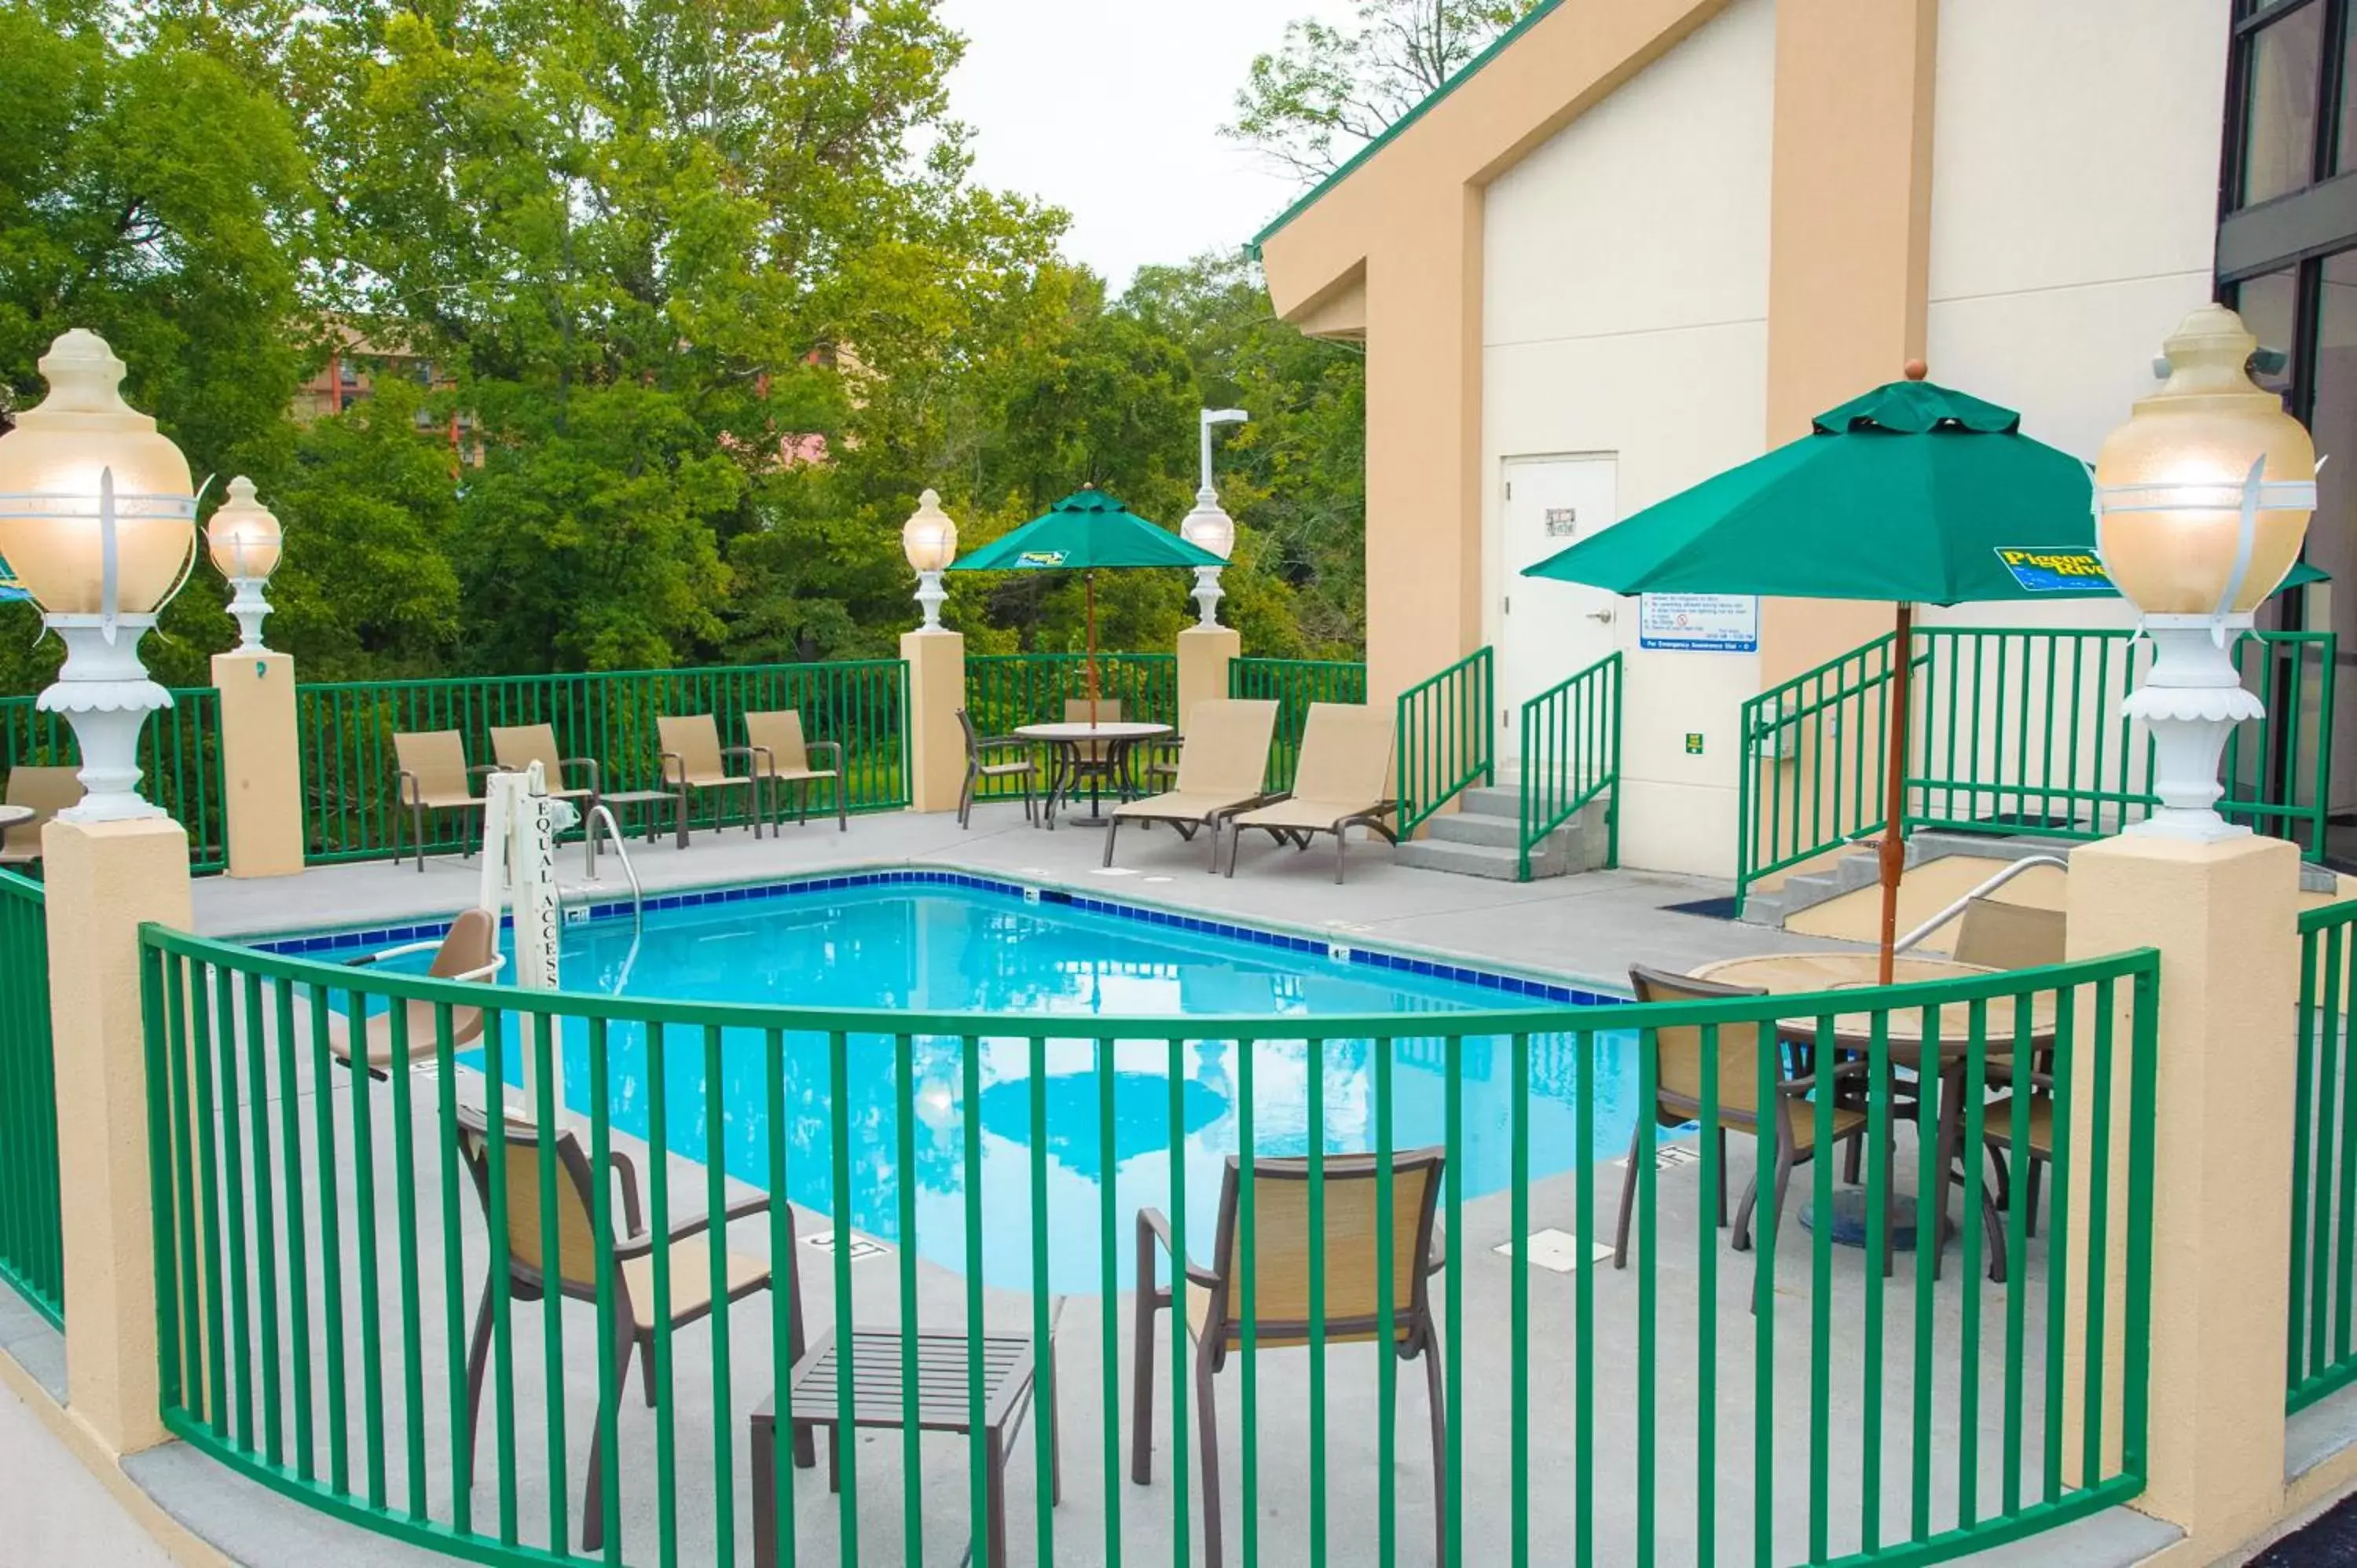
(517, 747)
(1282, 1265)
(1678, 1100)
(978, 767)
(694, 762)
(2009, 936)
(631, 1269)
(1343, 781)
(434, 776)
(47, 790)
(1221, 773)
(469, 950)
(780, 756)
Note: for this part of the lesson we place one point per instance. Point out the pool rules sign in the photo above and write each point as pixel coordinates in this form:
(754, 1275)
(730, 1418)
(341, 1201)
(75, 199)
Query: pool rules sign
(1699, 623)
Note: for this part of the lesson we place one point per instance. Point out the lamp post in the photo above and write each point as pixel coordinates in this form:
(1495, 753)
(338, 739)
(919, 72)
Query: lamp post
(245, 542)
(928, 538)
(2203, 499)
(98, 518)
(1208, 527)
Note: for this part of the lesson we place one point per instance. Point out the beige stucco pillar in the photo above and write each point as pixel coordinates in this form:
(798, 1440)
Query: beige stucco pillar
(1204, 654)
(261, 772)
(936, 691)
(101, 881)
(2223, 917)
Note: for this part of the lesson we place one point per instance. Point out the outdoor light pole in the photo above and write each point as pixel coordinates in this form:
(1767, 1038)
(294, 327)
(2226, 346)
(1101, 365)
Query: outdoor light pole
(1208, 526)
(244, 541)
(2202, 500)
(928, 538)
(98, 521)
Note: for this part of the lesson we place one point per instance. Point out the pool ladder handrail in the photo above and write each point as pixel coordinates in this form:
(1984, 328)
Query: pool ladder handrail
(600, 812)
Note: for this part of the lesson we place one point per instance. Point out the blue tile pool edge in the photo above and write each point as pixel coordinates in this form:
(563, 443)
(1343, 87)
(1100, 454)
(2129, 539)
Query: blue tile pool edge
(1419, 962)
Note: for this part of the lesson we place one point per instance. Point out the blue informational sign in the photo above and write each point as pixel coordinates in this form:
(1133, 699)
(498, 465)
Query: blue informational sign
(2054, 571)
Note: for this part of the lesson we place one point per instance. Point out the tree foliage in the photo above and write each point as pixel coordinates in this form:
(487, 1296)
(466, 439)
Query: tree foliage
(1330, 90)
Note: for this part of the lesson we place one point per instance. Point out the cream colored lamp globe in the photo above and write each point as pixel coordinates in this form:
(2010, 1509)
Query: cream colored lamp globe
(81, 452)
(1209, 528)
(243, 537)
(2172, 480)
(928, 538)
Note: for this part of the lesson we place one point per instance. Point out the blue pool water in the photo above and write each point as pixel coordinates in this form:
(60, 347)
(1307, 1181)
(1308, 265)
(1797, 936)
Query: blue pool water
(939, 949)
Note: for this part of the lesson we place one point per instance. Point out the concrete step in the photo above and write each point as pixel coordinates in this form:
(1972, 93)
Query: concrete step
(1471, 827)
(1491, 801)
(1474, 860)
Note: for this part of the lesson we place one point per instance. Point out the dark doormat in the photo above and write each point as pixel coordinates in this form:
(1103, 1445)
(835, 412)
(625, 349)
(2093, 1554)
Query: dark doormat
(1708, 908)
(2329, 1542)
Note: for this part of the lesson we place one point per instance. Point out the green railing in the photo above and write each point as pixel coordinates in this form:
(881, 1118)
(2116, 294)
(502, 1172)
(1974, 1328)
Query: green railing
(2017, 731)
(1293, 684)
(32, 1242)
(1447, 739)
(322, 1256)
(1571, 755)
(345, 730)
(180, 761)
(1006, 691)
(2322, 1352)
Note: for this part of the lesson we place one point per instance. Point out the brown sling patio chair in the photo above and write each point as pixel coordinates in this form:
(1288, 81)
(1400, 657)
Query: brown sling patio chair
(48, 792)
(694, 762)
(1343, 781)
(1996, 1135)
(2009, 936)
(469, 950)
(1678, 1100)
(1221, 769)
(1286, 1252)
(780, 756)
(530, 1278)
(517, 747)
(978, 767)
(434, 776)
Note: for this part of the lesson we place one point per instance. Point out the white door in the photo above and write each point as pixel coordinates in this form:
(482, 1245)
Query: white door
(1548, 631)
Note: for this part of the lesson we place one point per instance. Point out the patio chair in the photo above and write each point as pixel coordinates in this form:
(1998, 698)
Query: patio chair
(1997, 1137)
(694, 763)
(2009, 936)
(978, 767)
(1285, 1253)
(529, 1276)
(469, 950)
(1343, 781)
(1678, 1100)
(1221, 773)
(47, 790)
(517, 747)
(1095, 759)
(434, 776)
(780, 756)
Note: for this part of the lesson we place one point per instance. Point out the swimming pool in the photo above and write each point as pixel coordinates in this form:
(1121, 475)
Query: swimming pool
(911, 944)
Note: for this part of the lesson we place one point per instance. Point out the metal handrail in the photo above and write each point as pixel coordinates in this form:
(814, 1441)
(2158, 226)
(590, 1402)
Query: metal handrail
(1991, 886)
(600, 812)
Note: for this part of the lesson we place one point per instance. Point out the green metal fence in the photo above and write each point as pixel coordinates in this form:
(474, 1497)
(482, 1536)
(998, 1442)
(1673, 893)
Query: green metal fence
(947, 1175)
(1571, 755)
(1293, 684)
(1447, 738)
(345, 730)
(1006, 691)
(32, 1256)
(180, 761)
(2017, 731)
(2322, 1354)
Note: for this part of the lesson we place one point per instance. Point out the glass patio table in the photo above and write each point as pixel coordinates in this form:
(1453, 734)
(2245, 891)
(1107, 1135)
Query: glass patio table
(1066, 740)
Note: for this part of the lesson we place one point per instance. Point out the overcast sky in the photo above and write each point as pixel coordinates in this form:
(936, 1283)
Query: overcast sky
(1111, 109)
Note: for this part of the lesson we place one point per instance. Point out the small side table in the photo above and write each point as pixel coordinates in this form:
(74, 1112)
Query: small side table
(940, 1406)
(622, 800)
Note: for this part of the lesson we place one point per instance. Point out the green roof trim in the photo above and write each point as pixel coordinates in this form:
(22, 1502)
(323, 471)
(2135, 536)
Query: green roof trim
(1399, 127)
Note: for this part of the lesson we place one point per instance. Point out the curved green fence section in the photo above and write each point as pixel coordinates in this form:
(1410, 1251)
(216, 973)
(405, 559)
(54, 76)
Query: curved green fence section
(2322, 1353)
(983, 1207)
(32, 1243)
(344, 734)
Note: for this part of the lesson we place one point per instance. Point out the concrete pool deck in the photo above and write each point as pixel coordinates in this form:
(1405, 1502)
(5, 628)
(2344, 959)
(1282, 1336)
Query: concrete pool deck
(1587, 928)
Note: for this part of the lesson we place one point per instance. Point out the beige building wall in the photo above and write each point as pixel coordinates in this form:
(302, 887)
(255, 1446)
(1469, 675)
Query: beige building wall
(1625, 314)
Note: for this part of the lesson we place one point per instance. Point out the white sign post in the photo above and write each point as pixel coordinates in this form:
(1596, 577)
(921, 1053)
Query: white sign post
(1699, 623)
(520, 829)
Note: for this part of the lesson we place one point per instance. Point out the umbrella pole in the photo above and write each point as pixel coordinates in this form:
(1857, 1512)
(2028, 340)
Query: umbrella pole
(1089, 592)
(1896, 726)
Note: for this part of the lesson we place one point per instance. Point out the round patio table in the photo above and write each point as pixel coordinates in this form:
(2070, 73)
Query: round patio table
(1804, 972)
(1065, 741)
(14, 817)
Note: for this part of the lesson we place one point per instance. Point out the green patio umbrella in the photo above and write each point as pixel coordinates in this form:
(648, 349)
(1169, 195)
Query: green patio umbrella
(1915, 493)
(1086, 531)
